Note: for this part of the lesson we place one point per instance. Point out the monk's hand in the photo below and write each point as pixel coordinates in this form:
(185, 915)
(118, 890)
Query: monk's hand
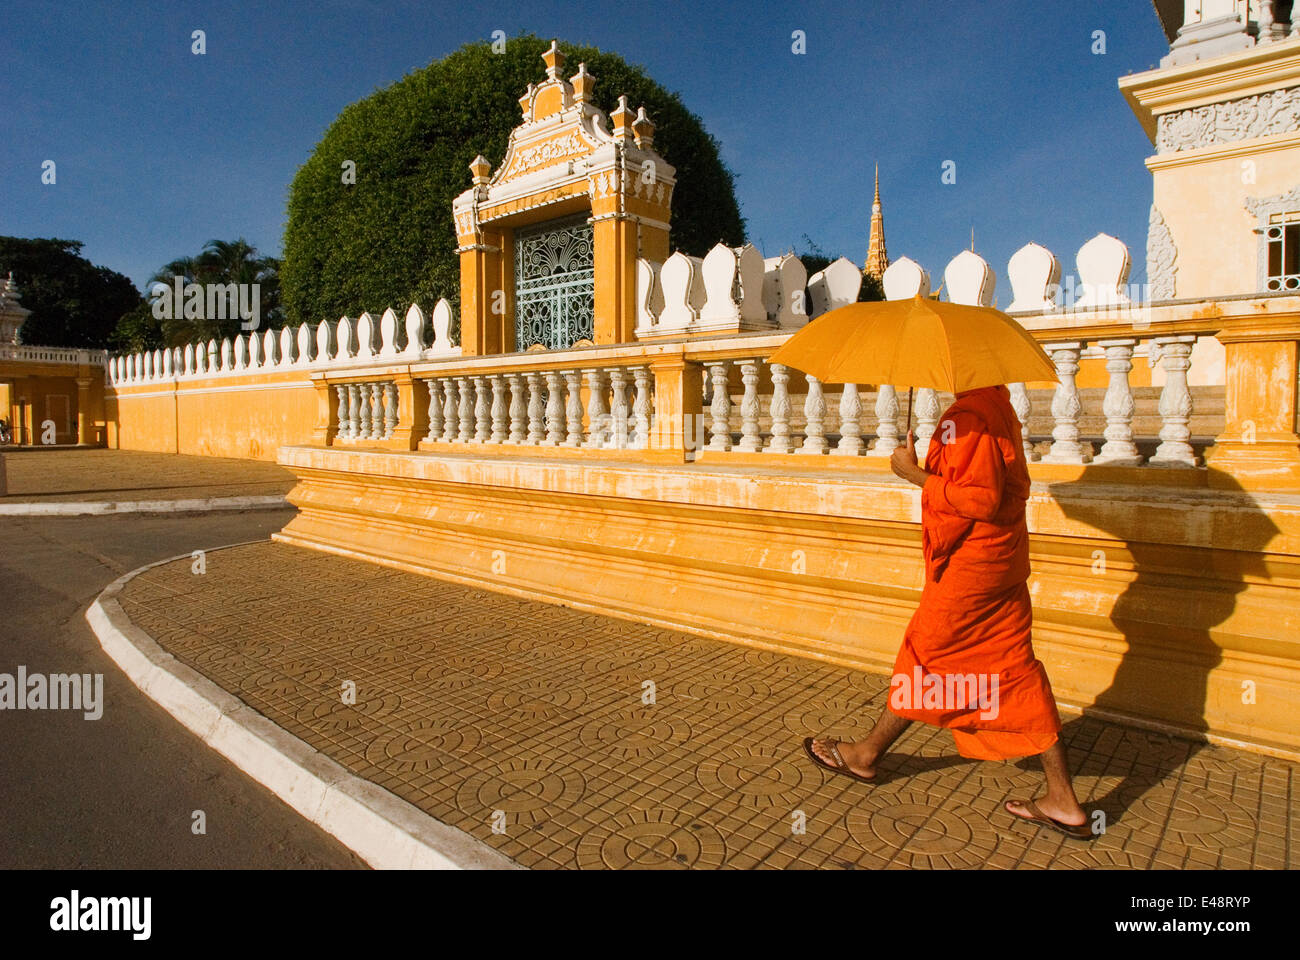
(905, 465)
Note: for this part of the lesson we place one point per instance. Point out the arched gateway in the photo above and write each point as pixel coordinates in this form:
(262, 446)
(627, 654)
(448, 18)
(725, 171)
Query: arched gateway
(548, 242)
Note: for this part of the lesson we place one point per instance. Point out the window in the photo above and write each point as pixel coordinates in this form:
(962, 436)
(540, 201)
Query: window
(1283, 241)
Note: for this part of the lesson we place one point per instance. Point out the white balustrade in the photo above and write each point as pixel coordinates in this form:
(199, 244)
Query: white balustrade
(1066, 407)
(1119, 448)
(1175, 404)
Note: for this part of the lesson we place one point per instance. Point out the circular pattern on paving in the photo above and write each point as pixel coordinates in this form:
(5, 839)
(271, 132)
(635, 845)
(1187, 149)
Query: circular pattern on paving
(775, 662)
(308, 672)
(536, 701)
(756, 776)
(526, 790)
(387, 651)
(423, 746)
(838, 718)
(721, 689)
(925, 834)
(632, 669)
(634, 733)
(335, 715)
(1096, 859)
(992, 773)
(658, 839)
(456, 672)
(546, 643)
(272, 683)
(1202, 819)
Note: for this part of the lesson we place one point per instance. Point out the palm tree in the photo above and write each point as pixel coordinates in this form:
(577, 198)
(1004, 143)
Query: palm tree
(222, 262)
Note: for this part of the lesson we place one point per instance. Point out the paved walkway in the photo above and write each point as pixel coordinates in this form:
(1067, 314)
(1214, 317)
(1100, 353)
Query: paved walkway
(90, 475)
(523, 724)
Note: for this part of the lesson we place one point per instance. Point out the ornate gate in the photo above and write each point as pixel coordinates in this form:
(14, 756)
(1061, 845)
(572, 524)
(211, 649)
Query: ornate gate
(554, 284)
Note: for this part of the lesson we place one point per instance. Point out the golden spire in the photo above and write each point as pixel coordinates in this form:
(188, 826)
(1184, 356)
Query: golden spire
(877, 258)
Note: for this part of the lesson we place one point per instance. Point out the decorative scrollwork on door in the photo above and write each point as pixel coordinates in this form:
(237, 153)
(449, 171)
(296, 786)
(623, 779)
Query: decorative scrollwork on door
(554, 284)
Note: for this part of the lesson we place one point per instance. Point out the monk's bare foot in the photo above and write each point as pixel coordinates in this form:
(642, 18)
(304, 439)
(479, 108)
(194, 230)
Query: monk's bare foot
(857, 755)
(1061, 811)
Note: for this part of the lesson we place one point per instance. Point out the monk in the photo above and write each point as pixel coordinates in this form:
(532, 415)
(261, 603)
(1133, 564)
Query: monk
(967, 662)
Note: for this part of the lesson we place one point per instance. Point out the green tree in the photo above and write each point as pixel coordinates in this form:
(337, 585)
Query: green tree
(388, 239)
(74, 303)
(220, 262)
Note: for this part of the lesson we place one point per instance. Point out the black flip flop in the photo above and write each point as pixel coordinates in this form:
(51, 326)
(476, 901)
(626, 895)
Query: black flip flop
(1076, 831)
(839, 766)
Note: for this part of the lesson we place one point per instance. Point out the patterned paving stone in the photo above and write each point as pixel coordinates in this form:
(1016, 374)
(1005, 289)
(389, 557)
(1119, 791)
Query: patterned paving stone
(569, 740)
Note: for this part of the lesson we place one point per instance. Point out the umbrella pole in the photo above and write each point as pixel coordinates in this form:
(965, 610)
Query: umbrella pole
(909, 409)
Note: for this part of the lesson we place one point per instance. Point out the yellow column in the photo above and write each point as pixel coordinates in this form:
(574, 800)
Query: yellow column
(412, 413)
(327, 422)
(85, 419)
(615, 243)
(1259, 447)
(679, 409)
(480, 280)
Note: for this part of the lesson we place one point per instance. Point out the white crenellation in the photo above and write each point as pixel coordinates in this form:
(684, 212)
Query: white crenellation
(905, 279)
(969, 280)
(1104, 265)
(1035, 277)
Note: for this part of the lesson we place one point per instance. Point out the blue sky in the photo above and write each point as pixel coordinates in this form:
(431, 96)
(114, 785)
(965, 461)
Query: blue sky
(159, 150)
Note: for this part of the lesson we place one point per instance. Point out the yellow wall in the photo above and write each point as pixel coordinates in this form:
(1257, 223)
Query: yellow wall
(247, 417)
(1137, 610)
(1201, 195)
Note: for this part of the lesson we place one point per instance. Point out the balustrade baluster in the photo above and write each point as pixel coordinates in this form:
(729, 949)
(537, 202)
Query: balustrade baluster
(450, 410)
(391, 411)
(1175, 404)
(554, 409)
(1118, 406)
(814, 411)
(536, 409)
(342, 411)
(482, 411)
(1066, 406)
(641, 408)
(1023, 407)
(618, 408)
(779, 410)
(850, 444)
(376, 411)
(927, 419)
(363, 406)
(573, 378)
(751, 440)
(518, 410)
(500, 425)
(435, 411)
(596, 413)
(465, 411)
(719, 407)
(887, 438)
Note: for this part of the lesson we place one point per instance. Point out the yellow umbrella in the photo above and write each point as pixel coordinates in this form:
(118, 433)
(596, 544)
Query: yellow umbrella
(916, 343)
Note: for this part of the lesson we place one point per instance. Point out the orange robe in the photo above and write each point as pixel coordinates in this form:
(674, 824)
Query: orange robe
(975, 616)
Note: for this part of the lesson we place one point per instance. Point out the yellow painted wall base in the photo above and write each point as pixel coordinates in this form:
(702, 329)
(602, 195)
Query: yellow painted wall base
(1178, 607)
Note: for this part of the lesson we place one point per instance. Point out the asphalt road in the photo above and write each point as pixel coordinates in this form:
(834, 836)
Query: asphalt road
(120, 791)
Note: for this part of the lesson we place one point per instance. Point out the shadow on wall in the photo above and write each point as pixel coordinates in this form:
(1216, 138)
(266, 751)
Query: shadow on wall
(1168, 614)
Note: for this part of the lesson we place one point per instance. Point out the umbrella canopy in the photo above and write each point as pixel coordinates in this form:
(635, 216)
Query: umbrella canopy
(949, 347)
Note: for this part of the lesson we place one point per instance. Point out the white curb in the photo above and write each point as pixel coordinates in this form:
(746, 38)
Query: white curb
(81, 508)
(380, 827)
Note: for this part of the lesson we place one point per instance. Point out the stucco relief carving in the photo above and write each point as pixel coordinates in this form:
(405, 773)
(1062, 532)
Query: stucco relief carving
(1162, 258)
(543, 154)
(1258, 116)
